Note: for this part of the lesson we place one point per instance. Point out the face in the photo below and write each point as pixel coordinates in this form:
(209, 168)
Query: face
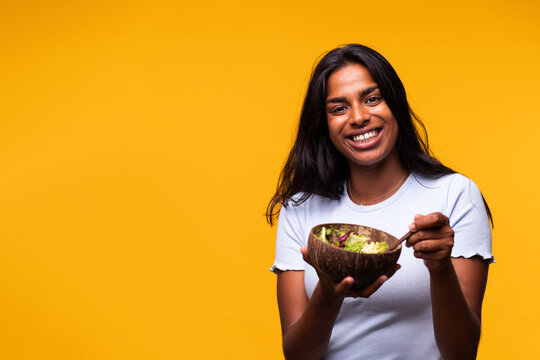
(361, 125)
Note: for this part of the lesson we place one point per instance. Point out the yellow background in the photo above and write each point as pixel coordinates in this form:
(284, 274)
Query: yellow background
(141, 141)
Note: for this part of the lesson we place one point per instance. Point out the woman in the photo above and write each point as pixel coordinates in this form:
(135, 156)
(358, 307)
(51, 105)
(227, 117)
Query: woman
(358, 158)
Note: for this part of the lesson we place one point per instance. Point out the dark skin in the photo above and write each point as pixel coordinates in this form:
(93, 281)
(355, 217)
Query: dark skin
(457, 289)
(457, 286)
(355, 107)
(307, 324)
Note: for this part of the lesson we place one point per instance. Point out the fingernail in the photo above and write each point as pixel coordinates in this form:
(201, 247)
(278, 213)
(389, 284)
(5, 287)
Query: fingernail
(412, 227)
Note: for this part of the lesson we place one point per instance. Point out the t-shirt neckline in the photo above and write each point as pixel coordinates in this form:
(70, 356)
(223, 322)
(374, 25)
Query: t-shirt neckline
(369, 208)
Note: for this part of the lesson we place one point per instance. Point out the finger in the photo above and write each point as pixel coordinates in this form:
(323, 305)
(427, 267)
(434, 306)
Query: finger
(429, 221)
(418, 216)
(431, 234)
(305, 255)
(435, 256)
(344, 285)
(445, 234)
(412, 227)
(371, 288)
(432, 246)
(393, 271)
(428, 255)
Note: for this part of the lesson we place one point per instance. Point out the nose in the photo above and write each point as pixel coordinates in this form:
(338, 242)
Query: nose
(359, 115)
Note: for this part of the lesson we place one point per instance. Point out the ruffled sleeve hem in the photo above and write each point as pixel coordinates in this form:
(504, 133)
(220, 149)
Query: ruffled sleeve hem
(278, 267)
(485, 256)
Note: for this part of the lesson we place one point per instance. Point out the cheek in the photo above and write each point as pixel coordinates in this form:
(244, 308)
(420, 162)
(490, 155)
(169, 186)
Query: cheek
(393, 126)
(394, 136)
(335, 138)
(336, 126)
(332, 131)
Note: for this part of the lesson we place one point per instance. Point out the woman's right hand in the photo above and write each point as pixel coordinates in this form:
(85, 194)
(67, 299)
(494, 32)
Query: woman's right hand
(344, 288)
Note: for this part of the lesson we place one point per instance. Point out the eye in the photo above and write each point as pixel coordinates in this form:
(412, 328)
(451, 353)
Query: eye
(373, 100)
(338, 109)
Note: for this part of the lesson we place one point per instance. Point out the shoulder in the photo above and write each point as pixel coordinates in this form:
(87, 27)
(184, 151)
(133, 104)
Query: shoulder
(463, 190)
(453, 184)
(442, 181)
(296, 218)
(454, 189)
(306, 202)
(463, 200)
(303, 208)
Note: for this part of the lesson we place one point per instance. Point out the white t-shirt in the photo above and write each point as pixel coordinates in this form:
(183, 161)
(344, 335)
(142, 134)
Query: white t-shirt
(396, 321)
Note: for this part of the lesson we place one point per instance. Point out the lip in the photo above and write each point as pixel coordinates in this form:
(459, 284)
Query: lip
(363, 131)
(367, 144)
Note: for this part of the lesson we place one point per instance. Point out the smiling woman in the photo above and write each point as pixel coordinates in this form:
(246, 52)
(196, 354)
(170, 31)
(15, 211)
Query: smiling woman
(360, 123)
(358, 158)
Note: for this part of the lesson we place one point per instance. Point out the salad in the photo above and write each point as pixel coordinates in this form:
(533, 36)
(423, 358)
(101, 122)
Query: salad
(351, 241)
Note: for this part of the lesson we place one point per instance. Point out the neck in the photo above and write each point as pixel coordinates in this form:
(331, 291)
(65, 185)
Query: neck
(369, 185)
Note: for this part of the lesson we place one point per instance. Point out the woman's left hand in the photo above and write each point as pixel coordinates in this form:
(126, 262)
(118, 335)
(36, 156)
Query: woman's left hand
(432, 241)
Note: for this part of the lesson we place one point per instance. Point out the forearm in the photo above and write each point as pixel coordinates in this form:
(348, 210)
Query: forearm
(309, 336)
(456, 326)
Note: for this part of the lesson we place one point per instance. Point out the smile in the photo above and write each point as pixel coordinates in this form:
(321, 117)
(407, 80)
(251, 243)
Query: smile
(366, 136)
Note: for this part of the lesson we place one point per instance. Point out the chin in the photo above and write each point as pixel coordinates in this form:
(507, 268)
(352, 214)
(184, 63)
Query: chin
(371, 161)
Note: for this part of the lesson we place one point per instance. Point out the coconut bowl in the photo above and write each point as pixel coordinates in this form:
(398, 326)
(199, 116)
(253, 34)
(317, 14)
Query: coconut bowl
(339, 263)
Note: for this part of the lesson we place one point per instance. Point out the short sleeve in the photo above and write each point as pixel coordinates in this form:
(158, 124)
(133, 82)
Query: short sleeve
(469, 220)
(289, 239)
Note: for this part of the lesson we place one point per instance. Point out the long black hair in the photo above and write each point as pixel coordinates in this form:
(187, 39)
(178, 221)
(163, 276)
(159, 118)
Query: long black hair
(315, 166)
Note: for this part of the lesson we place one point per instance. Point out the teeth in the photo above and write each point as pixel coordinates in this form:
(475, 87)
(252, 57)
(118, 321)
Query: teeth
(366, 137)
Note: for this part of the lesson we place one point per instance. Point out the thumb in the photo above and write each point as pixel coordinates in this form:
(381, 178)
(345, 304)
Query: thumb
(345, 284)
(305, 255)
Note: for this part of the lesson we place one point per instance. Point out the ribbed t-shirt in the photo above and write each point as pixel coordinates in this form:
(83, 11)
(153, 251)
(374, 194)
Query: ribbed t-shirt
(396, 321)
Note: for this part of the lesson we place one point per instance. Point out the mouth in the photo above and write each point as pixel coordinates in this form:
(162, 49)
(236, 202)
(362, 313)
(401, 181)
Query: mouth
(365, 137)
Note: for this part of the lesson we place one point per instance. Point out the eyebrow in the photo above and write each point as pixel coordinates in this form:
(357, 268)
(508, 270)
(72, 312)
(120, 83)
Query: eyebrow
(362, 94)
